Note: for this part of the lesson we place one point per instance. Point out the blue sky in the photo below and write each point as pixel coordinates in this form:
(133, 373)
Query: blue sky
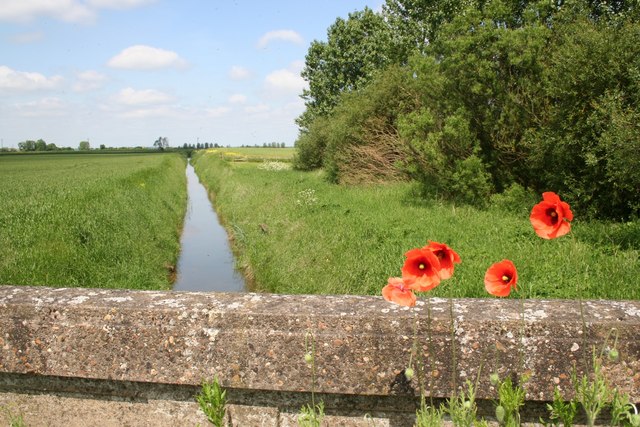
(124, 72)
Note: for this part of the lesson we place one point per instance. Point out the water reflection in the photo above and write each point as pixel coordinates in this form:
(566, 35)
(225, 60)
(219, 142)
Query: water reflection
(206, 262)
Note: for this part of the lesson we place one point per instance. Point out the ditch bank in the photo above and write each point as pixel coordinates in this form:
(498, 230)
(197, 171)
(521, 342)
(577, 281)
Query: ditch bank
(78, 357)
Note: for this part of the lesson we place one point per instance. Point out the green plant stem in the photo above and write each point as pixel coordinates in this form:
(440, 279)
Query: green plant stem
(454, 361)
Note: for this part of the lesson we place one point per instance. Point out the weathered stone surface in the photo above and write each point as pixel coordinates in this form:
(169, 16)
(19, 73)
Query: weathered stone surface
(257, 342)
(49, 410)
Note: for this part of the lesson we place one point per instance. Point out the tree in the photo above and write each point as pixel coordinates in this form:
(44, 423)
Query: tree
(161, 143)
(416, 23)
(84, 145)
(102, 146)
(355, 49)
(27, 145)
(41, 145)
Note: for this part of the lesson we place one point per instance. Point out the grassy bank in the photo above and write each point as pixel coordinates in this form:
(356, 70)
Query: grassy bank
(295, 233)
(99, 220)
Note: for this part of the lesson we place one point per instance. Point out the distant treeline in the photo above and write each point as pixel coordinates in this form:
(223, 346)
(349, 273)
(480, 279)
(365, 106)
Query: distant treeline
(475, 97)
(161, 144)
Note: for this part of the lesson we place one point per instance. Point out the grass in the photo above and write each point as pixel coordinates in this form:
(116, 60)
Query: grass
(94, 220)
(295, 233)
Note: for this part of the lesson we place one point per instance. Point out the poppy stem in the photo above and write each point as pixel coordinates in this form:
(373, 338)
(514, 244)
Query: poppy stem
(522, 329)
(587, 363)
(414, 347)
(309, 337)
(430, 350)
(454, 361)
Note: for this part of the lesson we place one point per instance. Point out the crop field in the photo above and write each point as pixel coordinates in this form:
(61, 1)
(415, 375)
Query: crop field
(293, 232)
(91, 220)
(254, 154)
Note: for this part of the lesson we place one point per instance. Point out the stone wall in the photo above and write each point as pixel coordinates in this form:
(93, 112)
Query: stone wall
(79, 357)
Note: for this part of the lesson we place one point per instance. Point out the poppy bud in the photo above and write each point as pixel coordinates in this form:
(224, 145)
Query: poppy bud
(613, 354)
(467, 404)
(494, 378)
(408, 374)
(308, 357)
(500, 413)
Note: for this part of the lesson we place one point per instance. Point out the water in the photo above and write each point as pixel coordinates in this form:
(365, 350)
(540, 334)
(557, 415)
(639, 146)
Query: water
(206, 262)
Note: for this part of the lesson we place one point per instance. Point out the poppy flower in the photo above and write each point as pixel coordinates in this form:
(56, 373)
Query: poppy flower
(421, 270)
(550, 218)
(398, 292)
(500, 278)
(446, 256)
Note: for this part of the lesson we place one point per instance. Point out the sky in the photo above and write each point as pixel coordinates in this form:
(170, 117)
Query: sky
(125, 72)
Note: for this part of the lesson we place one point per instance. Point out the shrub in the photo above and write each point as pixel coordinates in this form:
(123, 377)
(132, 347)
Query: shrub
(311, 146)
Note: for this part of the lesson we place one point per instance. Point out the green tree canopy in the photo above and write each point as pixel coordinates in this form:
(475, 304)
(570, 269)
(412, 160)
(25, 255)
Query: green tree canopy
(161, 143)
(355, 49)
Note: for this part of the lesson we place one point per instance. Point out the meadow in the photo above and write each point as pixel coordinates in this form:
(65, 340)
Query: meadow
(293, 232)
(91, 220)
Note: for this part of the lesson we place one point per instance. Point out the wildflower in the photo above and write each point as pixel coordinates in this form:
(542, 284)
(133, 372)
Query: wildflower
(398, 292)
(421, 270)
(551, 217)
(446, 256)
(500, 278)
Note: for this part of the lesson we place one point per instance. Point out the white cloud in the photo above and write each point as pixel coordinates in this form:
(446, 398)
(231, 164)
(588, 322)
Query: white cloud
(143, 113)
(259, 108)
(89, 80)
(45, 107)
(64, 10)
(140, 57)
(239, 73)
(25, 81)
(26, 38)
(119, 4)
(130, 96)
(283, 35)
(217, 112)
(284, 82)
(297, 66)
(27, 10)
(237, 98)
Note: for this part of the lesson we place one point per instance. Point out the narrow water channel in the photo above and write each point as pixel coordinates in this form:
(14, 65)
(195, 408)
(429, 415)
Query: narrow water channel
(206, 262)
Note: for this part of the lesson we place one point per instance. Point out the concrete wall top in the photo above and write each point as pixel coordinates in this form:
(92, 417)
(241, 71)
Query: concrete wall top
(362, 343)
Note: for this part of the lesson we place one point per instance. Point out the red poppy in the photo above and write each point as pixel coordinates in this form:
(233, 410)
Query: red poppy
(421, 270)
(550, 218)
(500, 278)
(398, 292)
(446, 256)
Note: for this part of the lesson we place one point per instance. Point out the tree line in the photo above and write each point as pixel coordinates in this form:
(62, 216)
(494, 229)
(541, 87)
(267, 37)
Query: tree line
(473, 97)
(39, 145)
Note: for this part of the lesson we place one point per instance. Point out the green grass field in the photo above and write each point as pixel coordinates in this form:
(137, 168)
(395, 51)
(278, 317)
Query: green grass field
(91, 220)
(295, 233)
